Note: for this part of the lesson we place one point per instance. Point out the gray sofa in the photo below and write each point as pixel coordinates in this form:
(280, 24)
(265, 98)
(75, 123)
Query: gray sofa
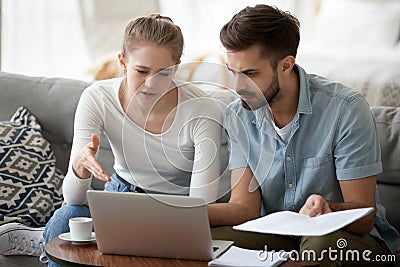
(53, 101)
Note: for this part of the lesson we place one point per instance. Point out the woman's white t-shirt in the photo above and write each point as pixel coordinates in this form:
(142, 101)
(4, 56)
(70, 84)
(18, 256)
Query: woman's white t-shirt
(184, 160)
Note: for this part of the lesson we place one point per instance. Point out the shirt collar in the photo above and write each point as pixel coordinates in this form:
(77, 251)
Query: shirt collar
(260, 114)
(304, 105)
(304, 97)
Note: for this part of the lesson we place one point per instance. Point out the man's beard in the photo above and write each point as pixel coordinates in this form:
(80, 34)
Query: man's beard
(269, 95)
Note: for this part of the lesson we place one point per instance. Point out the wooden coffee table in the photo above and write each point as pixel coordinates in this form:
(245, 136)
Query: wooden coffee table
(68, 254)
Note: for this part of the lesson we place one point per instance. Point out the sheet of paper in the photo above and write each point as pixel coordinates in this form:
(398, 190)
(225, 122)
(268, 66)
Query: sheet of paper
(239, 257)
(293, 223)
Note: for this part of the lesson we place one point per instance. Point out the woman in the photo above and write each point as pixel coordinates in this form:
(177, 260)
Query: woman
(165, 135)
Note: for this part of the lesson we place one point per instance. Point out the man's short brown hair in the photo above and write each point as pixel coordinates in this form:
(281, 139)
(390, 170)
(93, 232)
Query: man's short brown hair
(276, 31)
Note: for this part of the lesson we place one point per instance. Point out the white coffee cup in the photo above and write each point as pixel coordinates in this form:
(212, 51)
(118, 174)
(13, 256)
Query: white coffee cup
(80, 228)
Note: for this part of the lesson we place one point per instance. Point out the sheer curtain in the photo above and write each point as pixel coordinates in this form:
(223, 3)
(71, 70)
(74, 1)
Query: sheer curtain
(201, 21)
(64, 38)
(43, 37)
(104, 21)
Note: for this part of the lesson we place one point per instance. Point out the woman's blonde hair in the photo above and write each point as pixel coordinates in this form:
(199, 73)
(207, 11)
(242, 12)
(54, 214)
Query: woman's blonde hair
(154, 28)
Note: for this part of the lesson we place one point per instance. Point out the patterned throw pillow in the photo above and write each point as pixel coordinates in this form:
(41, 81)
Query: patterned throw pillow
(30, 184)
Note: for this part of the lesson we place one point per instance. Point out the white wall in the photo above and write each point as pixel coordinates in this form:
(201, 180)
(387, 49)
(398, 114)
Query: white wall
(66, 37)
(201, 21)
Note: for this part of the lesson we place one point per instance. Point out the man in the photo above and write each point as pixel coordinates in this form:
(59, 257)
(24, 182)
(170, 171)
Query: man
(298, 142)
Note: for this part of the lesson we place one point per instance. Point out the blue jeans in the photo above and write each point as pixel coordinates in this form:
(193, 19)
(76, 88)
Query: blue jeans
(58, 223)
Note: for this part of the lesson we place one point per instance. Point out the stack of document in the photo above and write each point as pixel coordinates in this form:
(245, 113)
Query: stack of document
(285, 223)
(239, 257)
(293, 223)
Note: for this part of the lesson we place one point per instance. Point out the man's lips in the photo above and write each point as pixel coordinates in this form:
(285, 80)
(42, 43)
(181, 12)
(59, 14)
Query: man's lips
(246, 97)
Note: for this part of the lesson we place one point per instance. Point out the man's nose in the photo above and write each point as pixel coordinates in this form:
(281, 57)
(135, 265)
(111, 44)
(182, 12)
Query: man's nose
(240, 82)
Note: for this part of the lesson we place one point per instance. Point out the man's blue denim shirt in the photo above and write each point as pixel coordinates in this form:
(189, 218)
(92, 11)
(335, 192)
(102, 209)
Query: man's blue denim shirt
(333, 138)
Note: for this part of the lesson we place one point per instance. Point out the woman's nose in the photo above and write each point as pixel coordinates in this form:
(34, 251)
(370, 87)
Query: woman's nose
(150, 81)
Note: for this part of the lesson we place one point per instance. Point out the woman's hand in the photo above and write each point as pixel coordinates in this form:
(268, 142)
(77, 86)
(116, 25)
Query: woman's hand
(85, 162)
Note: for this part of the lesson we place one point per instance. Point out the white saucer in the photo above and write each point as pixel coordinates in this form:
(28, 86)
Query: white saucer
(67, 237)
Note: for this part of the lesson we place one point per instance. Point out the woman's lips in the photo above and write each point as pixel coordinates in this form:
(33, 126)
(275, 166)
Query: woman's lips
(147, 94)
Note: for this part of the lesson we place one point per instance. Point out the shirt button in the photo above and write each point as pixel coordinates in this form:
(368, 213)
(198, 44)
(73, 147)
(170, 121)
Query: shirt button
(288, 158)
(290, 185)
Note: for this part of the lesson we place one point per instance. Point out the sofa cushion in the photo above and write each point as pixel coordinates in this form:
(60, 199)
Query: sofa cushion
(388, 127)
(52, 100)
(30, 185)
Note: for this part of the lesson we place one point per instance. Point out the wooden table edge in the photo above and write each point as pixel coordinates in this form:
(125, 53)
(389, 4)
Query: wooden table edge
(138, 261)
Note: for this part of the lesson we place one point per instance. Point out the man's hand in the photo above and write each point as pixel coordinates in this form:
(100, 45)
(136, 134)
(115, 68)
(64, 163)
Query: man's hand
(314, 206)
(85, 162)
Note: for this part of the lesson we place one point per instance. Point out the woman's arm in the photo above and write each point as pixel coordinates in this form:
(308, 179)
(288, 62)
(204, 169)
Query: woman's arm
(88, 121)
(207, 159)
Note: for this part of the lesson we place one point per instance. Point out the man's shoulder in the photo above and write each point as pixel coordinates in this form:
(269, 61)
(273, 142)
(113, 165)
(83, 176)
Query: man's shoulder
(331, 88)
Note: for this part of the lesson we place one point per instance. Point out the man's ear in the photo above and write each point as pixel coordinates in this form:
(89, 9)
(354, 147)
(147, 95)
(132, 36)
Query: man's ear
(122, 62)
(287, 64)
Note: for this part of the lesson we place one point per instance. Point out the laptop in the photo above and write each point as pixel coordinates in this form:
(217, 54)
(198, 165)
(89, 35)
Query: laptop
(153, 225)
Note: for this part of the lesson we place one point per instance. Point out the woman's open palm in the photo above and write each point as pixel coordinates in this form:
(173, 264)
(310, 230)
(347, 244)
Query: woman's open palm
(86, 164)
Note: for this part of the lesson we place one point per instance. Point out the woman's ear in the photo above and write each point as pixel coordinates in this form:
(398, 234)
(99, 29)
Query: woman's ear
(122, 62)
(177, 65)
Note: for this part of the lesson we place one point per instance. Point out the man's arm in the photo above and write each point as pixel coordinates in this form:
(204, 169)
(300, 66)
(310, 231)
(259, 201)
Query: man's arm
(357, 193)
(244, 204)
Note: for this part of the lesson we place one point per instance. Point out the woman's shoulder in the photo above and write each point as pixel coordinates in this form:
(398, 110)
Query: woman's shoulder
(206, 97)
(198, 90)
(189, 90)
(106, 85)
(191, 96)
(195, 102)
(101, 88)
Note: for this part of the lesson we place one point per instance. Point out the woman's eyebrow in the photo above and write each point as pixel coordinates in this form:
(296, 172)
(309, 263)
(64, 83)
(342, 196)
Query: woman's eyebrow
(148, 68)
(142, 67)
